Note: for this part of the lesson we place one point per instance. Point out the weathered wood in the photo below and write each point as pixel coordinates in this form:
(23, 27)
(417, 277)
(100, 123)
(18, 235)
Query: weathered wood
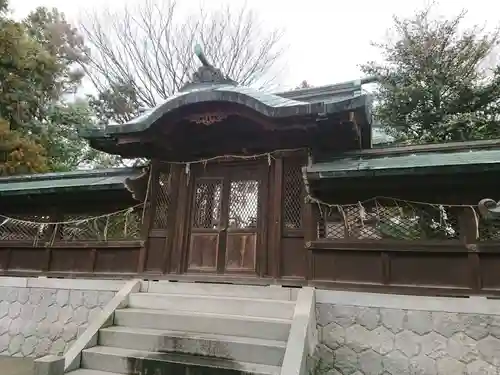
(390, 245)
(276, 212)
(386, 268)
(148, 214)
(447, 147)
(182, 214)
(171, 218)
(310, 225)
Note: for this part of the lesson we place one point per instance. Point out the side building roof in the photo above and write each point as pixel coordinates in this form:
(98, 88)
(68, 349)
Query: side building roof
(83, 180)
(456, 157)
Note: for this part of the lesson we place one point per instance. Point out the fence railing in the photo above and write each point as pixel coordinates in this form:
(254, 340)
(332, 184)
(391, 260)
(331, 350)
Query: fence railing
(122, 225)
(380, 219)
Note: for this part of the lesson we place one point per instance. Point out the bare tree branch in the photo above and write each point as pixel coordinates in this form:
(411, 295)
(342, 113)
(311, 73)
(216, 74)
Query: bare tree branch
(147, 51)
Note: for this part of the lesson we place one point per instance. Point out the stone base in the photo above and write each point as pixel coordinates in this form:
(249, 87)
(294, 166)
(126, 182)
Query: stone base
(380, 340)
(45, 316)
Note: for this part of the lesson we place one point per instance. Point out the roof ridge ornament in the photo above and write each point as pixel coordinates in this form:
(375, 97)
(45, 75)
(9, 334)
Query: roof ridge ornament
(206, 74)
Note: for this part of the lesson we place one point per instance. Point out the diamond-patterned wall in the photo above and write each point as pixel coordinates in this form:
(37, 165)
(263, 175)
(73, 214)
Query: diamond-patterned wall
(37, 321)
(370, 341)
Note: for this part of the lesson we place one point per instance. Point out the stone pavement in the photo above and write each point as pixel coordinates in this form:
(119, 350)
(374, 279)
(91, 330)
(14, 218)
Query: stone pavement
(16, 366)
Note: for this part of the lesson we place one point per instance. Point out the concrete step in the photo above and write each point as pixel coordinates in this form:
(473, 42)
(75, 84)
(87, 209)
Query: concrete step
(242, 349)
(214, 304)
(219, 324)
(129, 361)
(83, 371)
(228, 290)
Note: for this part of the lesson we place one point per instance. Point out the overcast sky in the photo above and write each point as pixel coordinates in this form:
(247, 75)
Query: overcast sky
(328, 39)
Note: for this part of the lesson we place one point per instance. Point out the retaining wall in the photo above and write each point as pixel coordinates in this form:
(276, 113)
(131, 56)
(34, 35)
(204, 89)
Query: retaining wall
(40, 316)
(364, 333)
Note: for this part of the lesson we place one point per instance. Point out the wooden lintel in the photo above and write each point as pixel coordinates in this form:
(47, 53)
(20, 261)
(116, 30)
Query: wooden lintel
(127, 139)
(356, 127)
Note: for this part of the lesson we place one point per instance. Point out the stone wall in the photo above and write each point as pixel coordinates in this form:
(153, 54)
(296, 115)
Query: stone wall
(41, 316)
(363, 333)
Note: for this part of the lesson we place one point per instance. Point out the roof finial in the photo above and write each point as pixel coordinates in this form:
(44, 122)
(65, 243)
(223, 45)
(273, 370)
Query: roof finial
(199, 53)
(206, 73)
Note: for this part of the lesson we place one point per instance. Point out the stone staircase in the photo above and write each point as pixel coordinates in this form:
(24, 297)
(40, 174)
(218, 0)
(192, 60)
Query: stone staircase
(195, 329)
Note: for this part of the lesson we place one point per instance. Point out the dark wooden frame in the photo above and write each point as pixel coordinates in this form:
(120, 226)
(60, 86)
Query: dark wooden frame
(227, 172)
(289, 257)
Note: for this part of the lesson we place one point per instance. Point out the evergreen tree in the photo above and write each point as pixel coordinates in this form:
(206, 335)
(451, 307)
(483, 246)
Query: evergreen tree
(437, 83)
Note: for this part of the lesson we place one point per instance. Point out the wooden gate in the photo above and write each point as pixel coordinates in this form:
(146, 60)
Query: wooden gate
(226, 225)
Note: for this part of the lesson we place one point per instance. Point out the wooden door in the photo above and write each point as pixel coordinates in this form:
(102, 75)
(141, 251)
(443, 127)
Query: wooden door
(226, 226)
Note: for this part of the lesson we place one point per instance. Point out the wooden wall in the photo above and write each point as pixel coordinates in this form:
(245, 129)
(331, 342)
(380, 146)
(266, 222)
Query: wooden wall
(85, 259)
(431, 269)
(295, 253)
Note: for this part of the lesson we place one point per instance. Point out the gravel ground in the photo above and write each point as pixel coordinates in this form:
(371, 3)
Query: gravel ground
(16, 366)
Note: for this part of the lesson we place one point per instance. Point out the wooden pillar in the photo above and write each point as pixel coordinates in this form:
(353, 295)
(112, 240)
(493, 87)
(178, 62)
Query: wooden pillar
(310, 217)
(148, 214)
(275, 218)
(180, 232)
(51, 235)
(468, 227)
(171, 218)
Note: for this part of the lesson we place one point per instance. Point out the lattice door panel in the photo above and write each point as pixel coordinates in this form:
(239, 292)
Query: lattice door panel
(207, 204)
(241, 242)
(243, 204)
(163, 199)
(292, 196)
(206, 225)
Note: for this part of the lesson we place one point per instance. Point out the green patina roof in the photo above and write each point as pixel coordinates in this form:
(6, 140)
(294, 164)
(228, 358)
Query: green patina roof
(426, 159)
(106, 179)
(209, 84)
(269, 105)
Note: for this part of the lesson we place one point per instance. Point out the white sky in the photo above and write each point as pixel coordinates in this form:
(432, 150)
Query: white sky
(327, 39)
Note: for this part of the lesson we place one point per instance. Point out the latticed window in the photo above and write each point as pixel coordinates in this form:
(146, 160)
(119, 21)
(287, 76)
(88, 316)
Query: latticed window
(207, 205)
(23, 228)
(121, 225)
(243, 204)
(292, 195)
(383, 219)
(163, 198)
(488, 229)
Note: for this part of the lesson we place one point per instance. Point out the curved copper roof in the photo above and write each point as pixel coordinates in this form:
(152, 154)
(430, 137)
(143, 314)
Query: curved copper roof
(266, 104)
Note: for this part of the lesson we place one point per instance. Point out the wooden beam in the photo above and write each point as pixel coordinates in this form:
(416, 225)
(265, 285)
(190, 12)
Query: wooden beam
(356, 127)
(310, 220)
(415, 149)
(149, 214)
(276, 217)
(168, 248)
(179, 247)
